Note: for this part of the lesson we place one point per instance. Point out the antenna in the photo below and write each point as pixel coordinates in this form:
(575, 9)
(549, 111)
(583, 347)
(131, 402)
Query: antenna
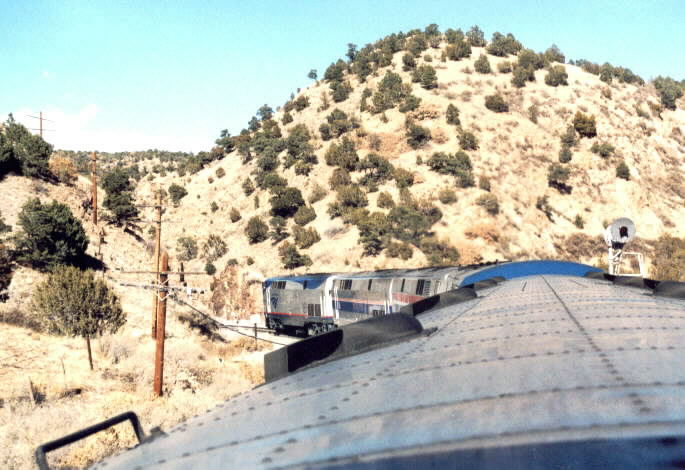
(616, 236)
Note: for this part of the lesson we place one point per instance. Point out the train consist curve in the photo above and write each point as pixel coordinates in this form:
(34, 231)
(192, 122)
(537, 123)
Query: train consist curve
(534, 371)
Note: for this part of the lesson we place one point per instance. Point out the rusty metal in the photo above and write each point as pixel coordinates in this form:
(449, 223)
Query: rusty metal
(161, 323)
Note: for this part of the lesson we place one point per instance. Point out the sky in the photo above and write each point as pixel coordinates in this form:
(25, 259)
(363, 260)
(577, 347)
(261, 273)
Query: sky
(136, 75)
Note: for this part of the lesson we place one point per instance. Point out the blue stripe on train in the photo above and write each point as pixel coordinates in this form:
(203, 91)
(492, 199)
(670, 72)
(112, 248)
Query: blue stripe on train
(530, 268)
(358, 307)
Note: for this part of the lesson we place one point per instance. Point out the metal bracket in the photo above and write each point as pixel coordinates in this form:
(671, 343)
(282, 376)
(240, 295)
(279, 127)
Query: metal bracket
(42, 450)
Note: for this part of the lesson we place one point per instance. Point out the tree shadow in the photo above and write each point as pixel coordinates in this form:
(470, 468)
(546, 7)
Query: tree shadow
(561, 187)
(90, 262)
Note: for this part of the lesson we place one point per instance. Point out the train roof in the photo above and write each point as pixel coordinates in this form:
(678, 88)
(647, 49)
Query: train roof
(539, 371)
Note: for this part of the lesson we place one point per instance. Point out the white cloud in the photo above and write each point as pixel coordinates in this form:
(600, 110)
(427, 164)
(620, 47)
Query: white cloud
(86, 129)
(46, 75)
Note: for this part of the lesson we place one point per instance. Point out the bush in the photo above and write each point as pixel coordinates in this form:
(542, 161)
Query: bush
(291, 258)
(450, 164)
(270, 180)
(176, 193)
(452, 115)
(669, 91)
(63, 168)
(232, 262)
(210, 269)
(305, 237)
(543, 205)
(475, 37)
(668, 262)
(468, 141)
(553, 54)
(447, 196)
(285, 202)
(220, 172)
(603, 149)
(119, 195)
(214, 248)
(489, 202)
(565, 154)
(504, 67)
(213, 206)
(377, 170)
(249, 261)
(399, 250)
(256, 230)
(528, 58)
(373, 232)
(622, 171)
(186, 248)
(579, 222)
(484, 183)
(585, 125)
(558, 175)
(410, 103)
(458, 51)
(408, 62)
(235, 215)
(72, 302)
(248, 186)
(278, 229)
(287, 118)
(502, 45)
(417, 136)
(338, 124)
(425, 74)
(481, 65)
(385, 200)
(301, 102)
(340, 177)
(318, 193)
(569, 139)
(351, 196)
(521, 75)
(341, 91)
(438, 252)
(556, 76)
(403, 178)
(20, 150)
(304, 215)
(50, 235)
(496, 103)
(391, 91)
(343, 155)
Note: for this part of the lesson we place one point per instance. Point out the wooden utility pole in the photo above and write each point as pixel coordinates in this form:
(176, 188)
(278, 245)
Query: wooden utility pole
(94, 186)
(161, 323)
(40, 126)
(155, 265)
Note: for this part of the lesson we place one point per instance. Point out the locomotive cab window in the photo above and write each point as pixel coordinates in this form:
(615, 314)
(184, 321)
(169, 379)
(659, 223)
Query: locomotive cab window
(278, 285)
(346, 284)
(423, 287)
(313, 310)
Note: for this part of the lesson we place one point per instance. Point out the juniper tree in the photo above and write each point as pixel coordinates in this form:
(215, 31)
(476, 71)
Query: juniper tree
(72, 302)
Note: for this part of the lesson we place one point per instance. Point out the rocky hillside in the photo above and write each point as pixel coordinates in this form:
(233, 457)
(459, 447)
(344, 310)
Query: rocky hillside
(406, 154)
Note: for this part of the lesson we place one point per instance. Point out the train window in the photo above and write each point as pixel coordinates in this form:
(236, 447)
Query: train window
(314, 310)
(304, 285)
(369, 286)
(402, 287)
(278, 285)
(346, 284)
(423, 287)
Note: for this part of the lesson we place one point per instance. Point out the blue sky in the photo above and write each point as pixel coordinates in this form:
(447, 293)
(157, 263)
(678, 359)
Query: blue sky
(132, 75)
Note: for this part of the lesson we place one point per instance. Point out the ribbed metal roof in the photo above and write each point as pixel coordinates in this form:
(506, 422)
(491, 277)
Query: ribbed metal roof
(536, 361)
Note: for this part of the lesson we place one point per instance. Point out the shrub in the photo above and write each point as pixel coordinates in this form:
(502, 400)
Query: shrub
(458, 51)
(438, 252)
(351, 196)
(484, 183)
(304, 215)
(556, 76)
(249, 261)
(278, 229)
(287, 118)
(543, 205)
(603, 149)
(489, 202)
(318, 193)
(340, 177)
(452, 115)
(232, 262)
(450, 164)
(74, 303)
(558, 175)
(248, 186)
(214, 248)
(569, 139)
(213, 206)
(186, 248)
(504, 67)
(579, 222)
(63, 168)
(343, 155)
(502, 45)
(301, 102)
(305, 237)
(391, 91)
(403, 178)
(417, 136)
(553, 54)
(50, 235)
(668, 262)
(521, 75)
(377, 170)
(399, 250)
(475, 37)
(235, 215)
(468, 141)
(410, 103)
(585, 125)
(496, 103)
(291, 258)
(256, 230)
(373, 232)
(220, 172)
(385, 200)
(669, 91)
(425, 74)
(338, 123)
(285, 202)
(481, 65)
(408, 62)
(622, 171)
(210, 268)
(176, 193)
(119, 195)
(270, 180)
(565, 154)
(528, 58)
(447, 196)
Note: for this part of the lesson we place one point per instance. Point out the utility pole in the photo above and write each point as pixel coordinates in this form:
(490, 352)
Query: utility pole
(94, 187)
(40, 126)
(161, 323)
(155, 266)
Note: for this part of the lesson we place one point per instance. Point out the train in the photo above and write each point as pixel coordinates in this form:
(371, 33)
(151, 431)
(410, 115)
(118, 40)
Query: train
(311, 304)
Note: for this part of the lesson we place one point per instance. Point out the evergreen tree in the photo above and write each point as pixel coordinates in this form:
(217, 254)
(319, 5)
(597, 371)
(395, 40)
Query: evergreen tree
(119, 195)
(481, 65)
